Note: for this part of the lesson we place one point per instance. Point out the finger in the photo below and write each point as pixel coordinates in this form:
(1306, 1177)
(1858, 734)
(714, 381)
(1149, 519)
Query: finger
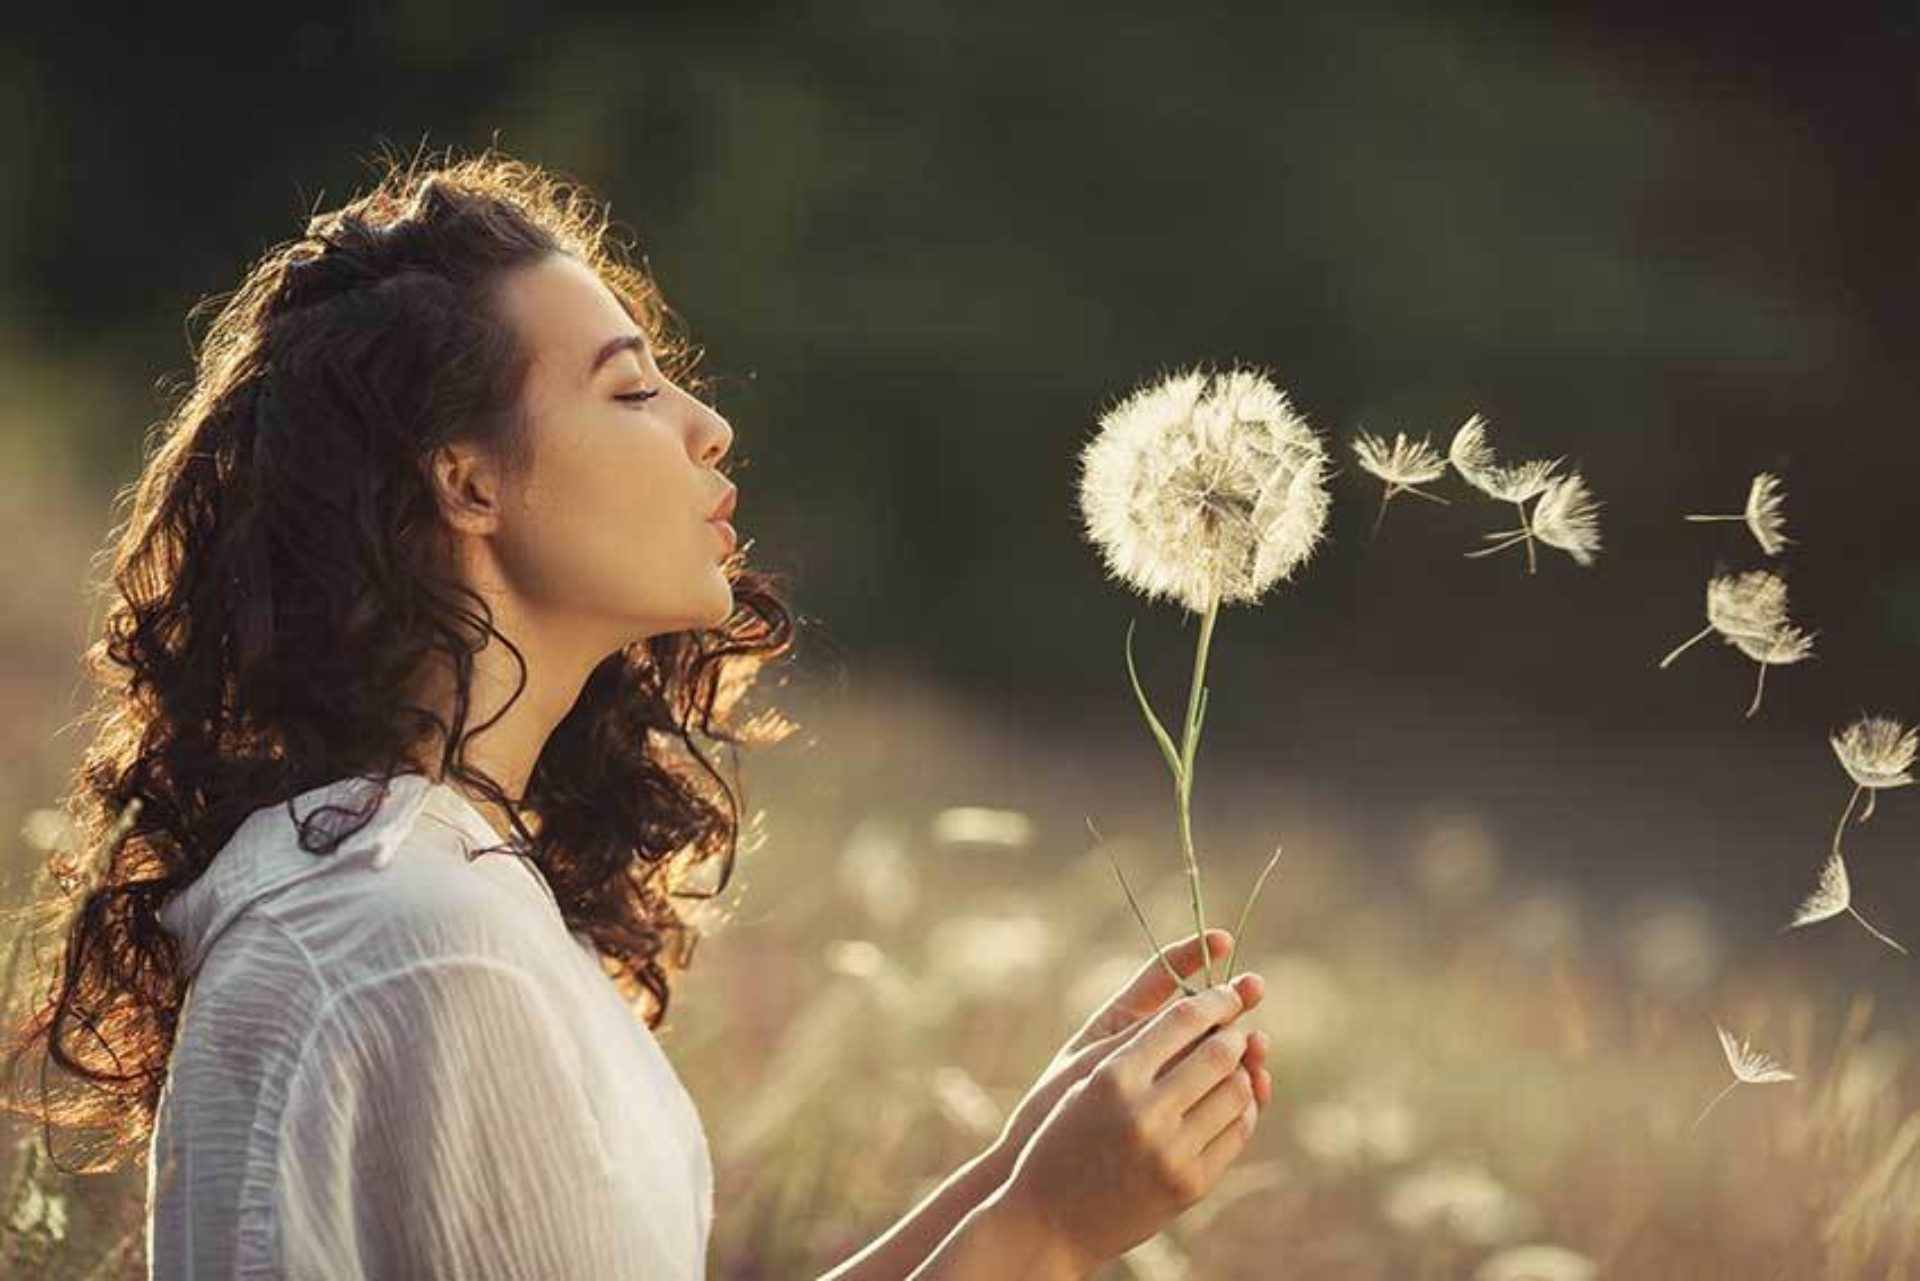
(1215, 1059)
(1216, 1109)
(1256, 1051)
(1251, 988)
(1220, 1151)
(1174, 1028)
(1151, 985)
(1256, 1064)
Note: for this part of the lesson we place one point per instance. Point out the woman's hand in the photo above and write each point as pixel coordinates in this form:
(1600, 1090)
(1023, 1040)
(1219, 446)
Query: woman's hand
(1111, 1025)
(1143, 1136)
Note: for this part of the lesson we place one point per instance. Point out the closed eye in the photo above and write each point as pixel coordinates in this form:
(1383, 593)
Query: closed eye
(637, 397)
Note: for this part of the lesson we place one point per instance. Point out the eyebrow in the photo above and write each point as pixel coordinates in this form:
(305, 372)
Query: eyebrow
(613, 347)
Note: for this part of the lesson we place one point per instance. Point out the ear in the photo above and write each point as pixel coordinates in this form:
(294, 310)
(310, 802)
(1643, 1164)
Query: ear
(466, 482)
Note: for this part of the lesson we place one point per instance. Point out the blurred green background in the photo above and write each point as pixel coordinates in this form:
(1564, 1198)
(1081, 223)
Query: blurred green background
(925, 246)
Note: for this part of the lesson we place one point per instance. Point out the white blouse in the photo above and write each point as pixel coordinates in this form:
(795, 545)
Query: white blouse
(395, 1061)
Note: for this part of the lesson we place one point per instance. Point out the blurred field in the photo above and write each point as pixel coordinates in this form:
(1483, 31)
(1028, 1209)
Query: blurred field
(1469, 1057)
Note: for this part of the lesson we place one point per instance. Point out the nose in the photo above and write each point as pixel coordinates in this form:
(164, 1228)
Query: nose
(714, 438)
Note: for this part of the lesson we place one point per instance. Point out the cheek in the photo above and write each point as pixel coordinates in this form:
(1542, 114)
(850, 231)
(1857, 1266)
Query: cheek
(602, 528)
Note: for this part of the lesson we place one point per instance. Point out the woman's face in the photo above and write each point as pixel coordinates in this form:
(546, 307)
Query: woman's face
(608, 527)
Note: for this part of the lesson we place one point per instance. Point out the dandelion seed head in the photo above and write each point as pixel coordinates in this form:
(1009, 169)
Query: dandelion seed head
(1471, 454)
(1764, 517)
(1877, 751)
(1832, 896)
(1202, 485)
(1748, 1064)
(1568, 517)
(1752, 603)
(1788, 644)
(1404, 462)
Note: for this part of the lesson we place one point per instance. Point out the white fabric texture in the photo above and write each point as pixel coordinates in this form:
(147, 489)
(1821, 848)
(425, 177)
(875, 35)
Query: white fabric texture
(395, 1061)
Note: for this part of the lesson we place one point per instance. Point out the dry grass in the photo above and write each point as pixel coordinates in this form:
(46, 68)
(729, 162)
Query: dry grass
(1466, 1058)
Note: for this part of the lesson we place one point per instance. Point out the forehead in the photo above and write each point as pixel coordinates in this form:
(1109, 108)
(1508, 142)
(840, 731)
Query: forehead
(563, 312)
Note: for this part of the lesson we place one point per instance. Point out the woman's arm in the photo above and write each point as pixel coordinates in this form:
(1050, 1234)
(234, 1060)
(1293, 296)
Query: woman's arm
(974, 1227)
(907, 1243)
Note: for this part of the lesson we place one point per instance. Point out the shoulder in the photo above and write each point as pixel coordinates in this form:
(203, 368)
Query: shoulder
(415, 889)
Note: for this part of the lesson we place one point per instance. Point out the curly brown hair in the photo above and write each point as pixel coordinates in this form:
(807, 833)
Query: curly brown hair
(282, 576)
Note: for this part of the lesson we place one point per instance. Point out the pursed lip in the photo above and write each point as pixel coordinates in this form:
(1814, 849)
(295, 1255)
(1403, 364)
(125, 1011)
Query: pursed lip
(724, 509)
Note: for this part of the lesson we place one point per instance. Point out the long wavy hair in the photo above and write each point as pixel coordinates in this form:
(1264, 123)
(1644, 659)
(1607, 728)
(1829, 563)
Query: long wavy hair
(282, 576)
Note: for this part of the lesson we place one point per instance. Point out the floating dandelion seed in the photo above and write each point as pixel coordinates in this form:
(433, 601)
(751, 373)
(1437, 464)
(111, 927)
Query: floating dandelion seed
(1567, 517)
(1762, 517)
(1472, 456)
(1404, 465)
(1833, 896)
(1749, 1066)
(1749, 611)
(1204, 489)
(1786, 646)
(1877, 752)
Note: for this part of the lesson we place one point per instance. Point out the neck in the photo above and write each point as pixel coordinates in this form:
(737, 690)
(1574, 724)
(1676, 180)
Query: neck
(558, 662)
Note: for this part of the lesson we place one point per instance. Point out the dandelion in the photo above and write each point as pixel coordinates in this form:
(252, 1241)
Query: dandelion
(1203, 489)
(1749, 611)
(1762, 516)
(1749, 1066)
(1877, 752)
(1404, 465)
(1472, 456)
(1832, 896)
(1566, 517)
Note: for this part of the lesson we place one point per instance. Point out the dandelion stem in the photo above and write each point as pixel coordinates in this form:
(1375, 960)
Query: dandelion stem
(1876, 933)
(1184, 788)
(1497, 547)
(1385, 496)
(1845, 814)
(1141, 917)
(1526, 525)
(1710, 1106)
(1873, 795)
(1417, 492)
(1759, 688)
(1705, 519)
(1240, 929)
(1687, 644)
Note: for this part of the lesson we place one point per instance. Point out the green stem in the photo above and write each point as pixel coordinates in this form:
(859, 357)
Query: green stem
(1184, 783)
(1240, 930)
(1141, 917)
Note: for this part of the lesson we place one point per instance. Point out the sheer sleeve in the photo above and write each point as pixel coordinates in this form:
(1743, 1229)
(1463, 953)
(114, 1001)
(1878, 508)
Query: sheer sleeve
(437, 1126)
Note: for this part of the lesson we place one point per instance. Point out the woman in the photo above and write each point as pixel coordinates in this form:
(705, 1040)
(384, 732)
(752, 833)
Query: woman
(424, 592)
